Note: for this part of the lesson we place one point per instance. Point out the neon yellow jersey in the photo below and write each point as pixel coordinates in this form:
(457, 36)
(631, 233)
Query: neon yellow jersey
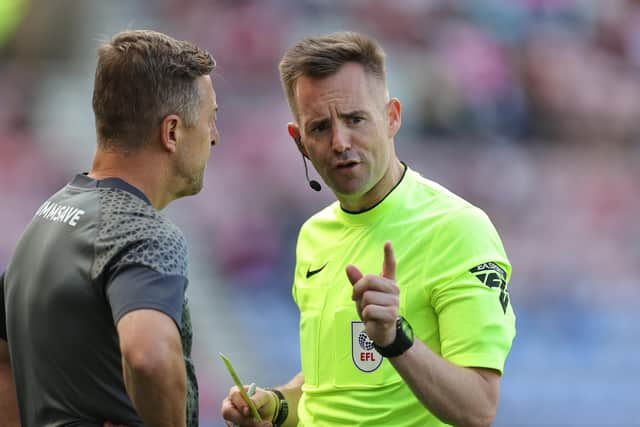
(11, 14)
(452, 273)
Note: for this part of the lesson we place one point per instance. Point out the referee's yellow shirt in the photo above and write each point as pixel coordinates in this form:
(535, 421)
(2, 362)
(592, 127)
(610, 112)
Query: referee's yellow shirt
(452, 272)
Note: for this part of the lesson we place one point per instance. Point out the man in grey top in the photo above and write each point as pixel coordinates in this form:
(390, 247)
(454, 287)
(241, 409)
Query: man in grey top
(94, 323)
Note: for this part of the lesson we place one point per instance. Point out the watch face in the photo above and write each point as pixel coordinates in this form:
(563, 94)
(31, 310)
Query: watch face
(406, 328)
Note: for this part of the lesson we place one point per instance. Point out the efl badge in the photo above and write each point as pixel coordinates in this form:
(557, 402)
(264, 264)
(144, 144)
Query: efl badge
(364, 355)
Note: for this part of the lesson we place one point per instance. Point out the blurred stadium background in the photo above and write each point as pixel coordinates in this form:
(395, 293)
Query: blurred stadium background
(530, 109)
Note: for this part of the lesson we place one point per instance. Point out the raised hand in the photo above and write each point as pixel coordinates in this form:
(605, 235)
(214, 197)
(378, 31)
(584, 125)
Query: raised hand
(377, 298)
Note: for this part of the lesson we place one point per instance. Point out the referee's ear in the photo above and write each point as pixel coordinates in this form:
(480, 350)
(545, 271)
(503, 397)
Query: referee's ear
(294, 132)
(394, 116)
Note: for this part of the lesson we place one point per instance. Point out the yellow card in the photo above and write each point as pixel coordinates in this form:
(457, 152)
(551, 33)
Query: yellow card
(243, 392)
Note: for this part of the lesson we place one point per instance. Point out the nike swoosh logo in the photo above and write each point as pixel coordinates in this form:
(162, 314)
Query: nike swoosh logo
(316, 271)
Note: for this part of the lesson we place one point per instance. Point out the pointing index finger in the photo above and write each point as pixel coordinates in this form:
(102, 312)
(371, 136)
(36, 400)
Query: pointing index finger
(389, 263)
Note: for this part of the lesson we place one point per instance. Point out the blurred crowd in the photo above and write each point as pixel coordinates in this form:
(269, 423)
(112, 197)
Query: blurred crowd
(529, 109)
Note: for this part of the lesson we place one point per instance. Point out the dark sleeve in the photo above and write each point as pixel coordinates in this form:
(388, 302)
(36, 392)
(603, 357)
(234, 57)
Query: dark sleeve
(3, 319)
(137, 287)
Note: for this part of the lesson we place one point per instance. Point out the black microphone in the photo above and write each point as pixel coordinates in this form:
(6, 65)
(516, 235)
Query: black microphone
(312, 182)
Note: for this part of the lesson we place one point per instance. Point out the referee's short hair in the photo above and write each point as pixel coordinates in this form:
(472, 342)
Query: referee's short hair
(322, 56)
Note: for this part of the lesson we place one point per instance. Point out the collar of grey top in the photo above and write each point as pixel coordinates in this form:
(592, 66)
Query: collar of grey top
(84, 181)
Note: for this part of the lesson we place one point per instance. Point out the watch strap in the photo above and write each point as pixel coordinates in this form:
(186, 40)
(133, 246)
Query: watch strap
(282, 408)
(400, 344)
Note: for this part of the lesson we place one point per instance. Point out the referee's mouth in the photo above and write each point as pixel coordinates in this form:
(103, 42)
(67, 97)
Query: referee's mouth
(346, 165)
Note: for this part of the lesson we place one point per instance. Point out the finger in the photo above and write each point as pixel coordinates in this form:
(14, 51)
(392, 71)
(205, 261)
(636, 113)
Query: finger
(235, 409)
(389, 263)
(353, 273)
(238, 402)
(372, 282)
(230, 412)
(264, 401)
(383, 299)
(377, 313)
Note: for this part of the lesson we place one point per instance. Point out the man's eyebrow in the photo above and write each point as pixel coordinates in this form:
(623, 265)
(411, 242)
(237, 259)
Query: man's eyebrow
(340, 115)
(314, 122)
(352, 113)
(321, 120)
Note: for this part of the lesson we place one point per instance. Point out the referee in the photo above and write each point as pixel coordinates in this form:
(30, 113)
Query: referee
(405, 317)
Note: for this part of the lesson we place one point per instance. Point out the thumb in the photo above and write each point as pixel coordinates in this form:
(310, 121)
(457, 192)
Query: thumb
(389, 263)
(353, 274)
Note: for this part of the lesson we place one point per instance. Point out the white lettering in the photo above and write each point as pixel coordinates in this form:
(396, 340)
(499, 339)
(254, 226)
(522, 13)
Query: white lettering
(76, 217)
(70, 213)
(42, 208)
(47, 209)
(53, 213)
(60, 213)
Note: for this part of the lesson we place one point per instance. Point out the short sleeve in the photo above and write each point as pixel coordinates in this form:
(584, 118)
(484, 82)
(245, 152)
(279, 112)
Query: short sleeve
(133, 233)
(136, 287)
(471, 299)
(476, 320)
(3, 313)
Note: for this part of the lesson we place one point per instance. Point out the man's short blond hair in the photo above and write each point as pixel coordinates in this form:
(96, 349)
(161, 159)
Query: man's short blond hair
(323, 56)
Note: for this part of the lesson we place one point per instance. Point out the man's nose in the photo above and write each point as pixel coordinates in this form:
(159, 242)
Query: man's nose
(340, 139)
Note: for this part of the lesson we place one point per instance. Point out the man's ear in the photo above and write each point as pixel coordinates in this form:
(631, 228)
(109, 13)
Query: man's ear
(394, 116)
(170, 132)
(294, 132)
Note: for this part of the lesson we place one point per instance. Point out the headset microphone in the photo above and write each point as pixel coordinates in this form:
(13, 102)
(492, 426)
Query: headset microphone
(312, 182)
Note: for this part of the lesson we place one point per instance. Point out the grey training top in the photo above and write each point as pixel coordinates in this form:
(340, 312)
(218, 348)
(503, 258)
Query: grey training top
(94, 251)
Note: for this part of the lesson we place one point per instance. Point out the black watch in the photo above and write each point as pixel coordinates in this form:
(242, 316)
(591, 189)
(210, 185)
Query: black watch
(282, 409)
(402, 342)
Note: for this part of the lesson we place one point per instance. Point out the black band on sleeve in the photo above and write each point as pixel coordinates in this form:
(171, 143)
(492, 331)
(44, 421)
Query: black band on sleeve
(136, 287)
